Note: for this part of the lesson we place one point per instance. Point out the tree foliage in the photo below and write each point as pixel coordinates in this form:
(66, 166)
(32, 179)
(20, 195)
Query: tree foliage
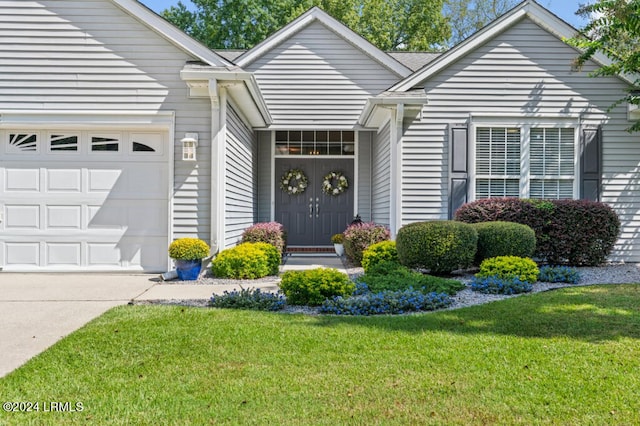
(468, 16)
(241, 24)
(614, 31)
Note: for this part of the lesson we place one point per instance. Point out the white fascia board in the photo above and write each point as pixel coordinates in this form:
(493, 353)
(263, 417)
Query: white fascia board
(86, 119)
(242, 86)
(527, 9)
(373, 112)
(170, 32)
(317, 14)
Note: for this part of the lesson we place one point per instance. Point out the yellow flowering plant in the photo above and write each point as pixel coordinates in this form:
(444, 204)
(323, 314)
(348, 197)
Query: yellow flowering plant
(188, 249)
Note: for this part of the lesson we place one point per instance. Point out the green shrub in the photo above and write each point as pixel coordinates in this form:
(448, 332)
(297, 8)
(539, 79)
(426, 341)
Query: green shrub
(439, 246)
(273, 257)
(359, 236)
(266, 232)
(188, 249)
(313, 286)
(244, 261)
(391, 276)
(379, 252)
(509, 267)
(571, 232)
(504, 239)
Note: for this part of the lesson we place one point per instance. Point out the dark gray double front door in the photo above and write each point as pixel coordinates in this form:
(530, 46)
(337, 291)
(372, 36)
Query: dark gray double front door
(312, 217)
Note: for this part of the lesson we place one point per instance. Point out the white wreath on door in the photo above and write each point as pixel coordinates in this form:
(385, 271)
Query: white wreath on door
(294, 182)
(334, 183)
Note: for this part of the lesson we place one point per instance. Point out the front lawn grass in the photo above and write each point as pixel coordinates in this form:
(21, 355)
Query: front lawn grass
(570, 356)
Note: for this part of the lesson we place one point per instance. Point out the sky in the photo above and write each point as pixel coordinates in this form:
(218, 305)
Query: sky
(565, 9)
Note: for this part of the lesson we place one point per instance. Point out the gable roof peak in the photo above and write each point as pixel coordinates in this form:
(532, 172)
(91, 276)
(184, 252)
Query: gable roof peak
(316, 14)
(530, 9)
(169, 32)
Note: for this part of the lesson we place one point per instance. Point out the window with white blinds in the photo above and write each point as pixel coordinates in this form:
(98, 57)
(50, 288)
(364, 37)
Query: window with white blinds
(552, 153)
(545, 170)
(497, 162)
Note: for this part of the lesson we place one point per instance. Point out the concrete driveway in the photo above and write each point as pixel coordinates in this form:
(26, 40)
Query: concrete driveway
(37, 310)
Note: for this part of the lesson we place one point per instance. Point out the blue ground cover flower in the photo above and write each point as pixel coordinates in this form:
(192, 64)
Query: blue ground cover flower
(385, 302)
(496, 285)
(559, 274)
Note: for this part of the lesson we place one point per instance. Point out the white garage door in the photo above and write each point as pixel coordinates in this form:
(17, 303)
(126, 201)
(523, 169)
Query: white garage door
(84, 200)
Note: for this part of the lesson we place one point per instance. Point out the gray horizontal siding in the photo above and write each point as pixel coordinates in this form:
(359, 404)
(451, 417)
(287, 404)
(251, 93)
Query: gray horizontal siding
(365, 152)
(523, 71)
(316, 79)
(240, 183)
(381, 177)
(60, 55)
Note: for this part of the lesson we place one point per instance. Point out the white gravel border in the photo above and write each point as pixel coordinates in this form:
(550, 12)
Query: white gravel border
(614, 273)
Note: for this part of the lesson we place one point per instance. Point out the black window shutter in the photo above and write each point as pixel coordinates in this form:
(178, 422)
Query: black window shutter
(591, 163)
(458, 167)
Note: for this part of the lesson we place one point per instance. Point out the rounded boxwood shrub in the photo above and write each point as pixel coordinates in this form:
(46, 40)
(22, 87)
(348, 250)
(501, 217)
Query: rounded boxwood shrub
(509, 267)
(504, 239)
(384, 251)
(313, 286)
(266, 232)
(359, 236)
(244, 261)
(441, 246)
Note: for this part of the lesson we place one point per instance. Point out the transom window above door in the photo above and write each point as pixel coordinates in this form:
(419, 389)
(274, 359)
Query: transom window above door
(525, 161)
(315, 142)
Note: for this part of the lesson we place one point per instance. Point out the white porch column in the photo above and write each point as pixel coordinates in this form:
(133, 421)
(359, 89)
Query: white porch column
(395, 205)
(218, 97)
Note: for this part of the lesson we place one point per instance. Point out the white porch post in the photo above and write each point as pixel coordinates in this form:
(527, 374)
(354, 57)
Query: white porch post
(218, 164)
(395, 203)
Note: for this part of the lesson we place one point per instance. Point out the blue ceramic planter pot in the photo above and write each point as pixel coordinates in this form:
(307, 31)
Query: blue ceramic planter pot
(188, 270)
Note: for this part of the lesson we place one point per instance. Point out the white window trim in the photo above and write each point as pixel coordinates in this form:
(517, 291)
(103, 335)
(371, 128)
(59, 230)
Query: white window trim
(525, 125)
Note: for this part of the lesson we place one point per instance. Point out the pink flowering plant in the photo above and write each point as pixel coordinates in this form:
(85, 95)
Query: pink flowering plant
(359, 236)
(266, 232)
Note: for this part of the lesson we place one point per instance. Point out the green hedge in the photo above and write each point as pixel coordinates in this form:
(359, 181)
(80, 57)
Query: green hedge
(504, 239)
(571, 232)
(439, 246)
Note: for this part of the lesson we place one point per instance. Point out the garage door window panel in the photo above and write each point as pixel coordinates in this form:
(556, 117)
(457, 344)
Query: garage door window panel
(146, 143)
(105, 143)
(23, 143)
(63, 143)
